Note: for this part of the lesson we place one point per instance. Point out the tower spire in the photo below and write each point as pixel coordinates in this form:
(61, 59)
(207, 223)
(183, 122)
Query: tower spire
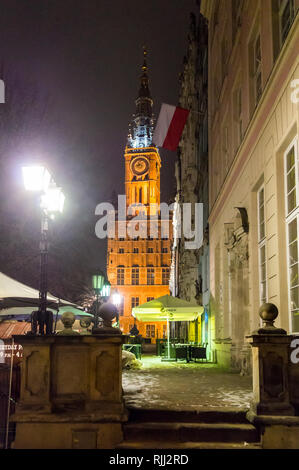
(142, 123)
(144, 81)
(144, 101)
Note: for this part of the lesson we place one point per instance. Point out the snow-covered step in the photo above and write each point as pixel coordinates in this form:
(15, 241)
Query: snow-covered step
(219, 415)
(190, 432)
(186, 445)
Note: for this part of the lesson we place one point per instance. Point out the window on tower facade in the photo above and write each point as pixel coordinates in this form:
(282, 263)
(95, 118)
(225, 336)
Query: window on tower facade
(135, 250)
(150, 276)
(150, 331)
(120, 276)
(165, 276)
(291, 171)
(135, 276)
(134, 302)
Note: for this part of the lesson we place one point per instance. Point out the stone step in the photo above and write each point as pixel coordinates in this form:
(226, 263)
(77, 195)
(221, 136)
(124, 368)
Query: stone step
(187, 445)
(190, 432)
(220, 415)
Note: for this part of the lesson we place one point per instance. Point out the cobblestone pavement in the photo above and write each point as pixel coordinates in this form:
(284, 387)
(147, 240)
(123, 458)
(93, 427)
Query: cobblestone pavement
(184, 386)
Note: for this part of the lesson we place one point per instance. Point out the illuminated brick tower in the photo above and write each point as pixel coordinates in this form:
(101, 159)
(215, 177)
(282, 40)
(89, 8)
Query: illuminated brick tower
(138, 269)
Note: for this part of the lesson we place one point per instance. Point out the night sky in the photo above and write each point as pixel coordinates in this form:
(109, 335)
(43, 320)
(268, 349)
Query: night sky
(71, 70)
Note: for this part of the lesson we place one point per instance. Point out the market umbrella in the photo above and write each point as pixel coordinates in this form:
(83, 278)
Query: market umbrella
(167, 308)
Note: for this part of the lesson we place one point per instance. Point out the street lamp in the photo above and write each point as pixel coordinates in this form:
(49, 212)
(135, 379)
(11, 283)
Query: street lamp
(53, 200)
(102, 291)
(105, 292)
(117, 300)
(38, 179)
(98, 282)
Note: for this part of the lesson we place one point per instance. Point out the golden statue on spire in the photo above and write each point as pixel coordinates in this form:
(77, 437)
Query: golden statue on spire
(144, 67)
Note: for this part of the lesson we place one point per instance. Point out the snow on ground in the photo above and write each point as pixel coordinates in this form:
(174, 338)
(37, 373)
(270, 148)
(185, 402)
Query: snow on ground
(184, 386)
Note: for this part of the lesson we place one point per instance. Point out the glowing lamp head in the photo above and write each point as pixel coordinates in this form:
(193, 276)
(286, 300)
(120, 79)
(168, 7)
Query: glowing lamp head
(105, 292)
(98, 281)
(116, 299)
(36, 178)
(53, 200)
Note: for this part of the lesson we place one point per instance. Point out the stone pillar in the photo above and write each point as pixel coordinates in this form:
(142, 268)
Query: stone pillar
(270, 357)
(271, 409)
(71, 392)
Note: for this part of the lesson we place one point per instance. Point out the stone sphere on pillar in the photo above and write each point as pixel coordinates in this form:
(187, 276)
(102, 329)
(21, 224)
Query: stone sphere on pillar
(108, 311)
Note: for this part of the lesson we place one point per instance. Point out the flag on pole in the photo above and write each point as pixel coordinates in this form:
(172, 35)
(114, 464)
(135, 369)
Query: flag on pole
(170, 126)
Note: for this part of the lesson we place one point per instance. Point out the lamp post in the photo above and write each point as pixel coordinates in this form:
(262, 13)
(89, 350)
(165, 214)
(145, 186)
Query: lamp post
(38, 179)
(97, 284)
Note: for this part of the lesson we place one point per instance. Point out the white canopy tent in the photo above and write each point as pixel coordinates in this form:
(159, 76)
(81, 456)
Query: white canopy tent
(15, 294)
(167, 308)
(23, 311)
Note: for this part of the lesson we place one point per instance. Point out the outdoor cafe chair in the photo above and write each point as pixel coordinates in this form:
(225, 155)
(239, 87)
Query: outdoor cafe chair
(181, 353)
(198, 353)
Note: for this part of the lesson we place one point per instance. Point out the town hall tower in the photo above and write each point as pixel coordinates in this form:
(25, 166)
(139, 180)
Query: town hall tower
(138, 268)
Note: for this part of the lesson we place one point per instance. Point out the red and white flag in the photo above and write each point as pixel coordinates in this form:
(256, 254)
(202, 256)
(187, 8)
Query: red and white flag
(170, 126)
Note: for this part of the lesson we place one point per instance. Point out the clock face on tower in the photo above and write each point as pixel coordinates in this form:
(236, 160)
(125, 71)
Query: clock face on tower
(139, 166)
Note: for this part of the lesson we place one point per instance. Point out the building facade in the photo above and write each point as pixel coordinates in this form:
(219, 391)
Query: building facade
(139, 256)
(190, 273)
(253, 169)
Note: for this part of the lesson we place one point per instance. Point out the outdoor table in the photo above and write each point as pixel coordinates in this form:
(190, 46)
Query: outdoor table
(133, 348)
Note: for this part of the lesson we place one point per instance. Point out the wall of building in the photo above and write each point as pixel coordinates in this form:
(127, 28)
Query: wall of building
(247, 143)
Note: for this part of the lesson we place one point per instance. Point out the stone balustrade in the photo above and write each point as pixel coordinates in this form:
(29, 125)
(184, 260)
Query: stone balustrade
(71, 392)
